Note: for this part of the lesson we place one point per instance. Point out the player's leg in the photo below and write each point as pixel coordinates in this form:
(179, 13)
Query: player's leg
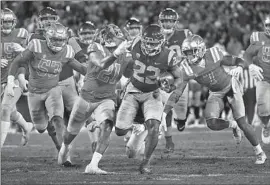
(263, 108)
(126, 114)
(249, 99)
(236, 101)
(55, 108)
(212, 111)
(8, 106)
(104, 115)
(79, 114)
(152, 109)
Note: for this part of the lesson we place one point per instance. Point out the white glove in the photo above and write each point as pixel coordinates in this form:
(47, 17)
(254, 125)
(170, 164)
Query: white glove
(236, 72)
(138, 128)
(163, 124)
(17, 47)
(122, 48)
(4, 62)
(256, 72)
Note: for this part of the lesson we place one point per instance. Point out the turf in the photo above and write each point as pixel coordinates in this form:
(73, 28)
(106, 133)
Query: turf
(201, 157)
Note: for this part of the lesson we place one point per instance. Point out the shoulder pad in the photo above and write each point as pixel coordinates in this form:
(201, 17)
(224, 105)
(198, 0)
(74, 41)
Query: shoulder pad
(35, 46)
(70, 51)
(22, 33)
(216, 54)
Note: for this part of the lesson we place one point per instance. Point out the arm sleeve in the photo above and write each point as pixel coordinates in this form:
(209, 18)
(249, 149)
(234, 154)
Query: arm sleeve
(20, 61)
(77, 66)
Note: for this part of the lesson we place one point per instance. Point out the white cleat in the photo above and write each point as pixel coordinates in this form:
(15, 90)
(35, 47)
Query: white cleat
(26, 133)
(94, 170)
(237, 135)
(63, 155)
(266, 134)
(260, 158)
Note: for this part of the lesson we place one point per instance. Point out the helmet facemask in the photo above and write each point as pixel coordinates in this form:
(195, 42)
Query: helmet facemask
(87, 36)
(47, 20)
(151, 47)
(8, 22)
(56, 37)
(267, 26)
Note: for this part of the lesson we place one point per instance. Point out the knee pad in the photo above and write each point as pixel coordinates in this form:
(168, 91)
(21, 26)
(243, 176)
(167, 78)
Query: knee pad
(121, 132)
(211, 124)
(15, 116)
(5, 113)
(40, 127)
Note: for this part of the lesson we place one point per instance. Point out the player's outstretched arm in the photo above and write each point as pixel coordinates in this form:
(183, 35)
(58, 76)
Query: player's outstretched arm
(77, 66)
(102, 62)
(174, 97)
(20, 61)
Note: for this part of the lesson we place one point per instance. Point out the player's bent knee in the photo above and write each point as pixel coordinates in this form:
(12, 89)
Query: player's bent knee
(5, 113)
(108, 125)
(40, 127)
(212, 124)
(130, 152)
(121, 132)
(153, 124)
(57, 120)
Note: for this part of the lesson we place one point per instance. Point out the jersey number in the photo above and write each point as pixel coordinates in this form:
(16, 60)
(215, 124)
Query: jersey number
(49, 68)
(177, 49)
(110, 74)
(8, 53)
(141, 69)
(211, 77)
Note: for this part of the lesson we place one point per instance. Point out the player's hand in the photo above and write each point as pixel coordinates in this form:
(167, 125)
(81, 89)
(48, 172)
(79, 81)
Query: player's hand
(236, 72)
(163, 124)
(4, 62)
(9, 90)
(17, 47)
(122, 48)
(24, 85)
(138, 128)
(256, 72)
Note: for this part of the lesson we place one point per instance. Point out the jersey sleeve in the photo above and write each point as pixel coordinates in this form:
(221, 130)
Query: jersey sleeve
(70, 53)
(74, 44)
(216, 54)
(22, 33)
(254, 38)
(34, 46)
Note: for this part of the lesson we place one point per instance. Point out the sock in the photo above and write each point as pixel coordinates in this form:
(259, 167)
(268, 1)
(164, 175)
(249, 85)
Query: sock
(168, 139)
(4, 131)
(257, 149)
(95, 159)
(232, 124)
(197, 112)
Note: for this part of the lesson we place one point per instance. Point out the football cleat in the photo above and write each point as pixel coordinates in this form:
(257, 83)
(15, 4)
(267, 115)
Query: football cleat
(169, 148)
(63, 154)
(94, 170)
(260, 158)
(145, 168)
(237, 135)
(266, 134)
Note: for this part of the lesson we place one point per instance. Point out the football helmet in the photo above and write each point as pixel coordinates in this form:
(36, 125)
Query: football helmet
(46, 17)
(109, 34)
(168, 19)
(56, 36)
(87, 32)
(266, 24)
(152, 40)
(8, 20)
(193, 48)
(133, 27)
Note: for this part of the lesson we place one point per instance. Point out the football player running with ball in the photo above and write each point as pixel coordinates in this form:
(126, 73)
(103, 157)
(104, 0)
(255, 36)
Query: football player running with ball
(151, 59)
(205, 66)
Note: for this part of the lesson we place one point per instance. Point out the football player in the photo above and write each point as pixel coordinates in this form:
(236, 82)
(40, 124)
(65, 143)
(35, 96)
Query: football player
(205, 66)
(12, 42)
(260, 70)
(45, 60)
(168, 20)
(106, 65)
(151, 59)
